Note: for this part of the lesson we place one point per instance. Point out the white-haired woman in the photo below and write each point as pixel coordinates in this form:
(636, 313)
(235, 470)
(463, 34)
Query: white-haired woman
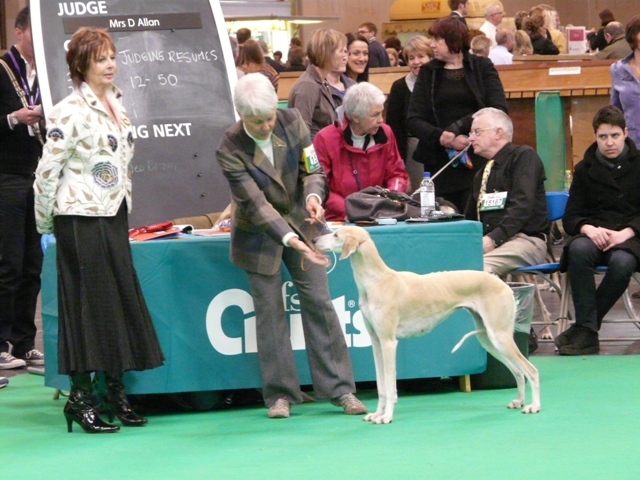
(360, 150)
(277, 190)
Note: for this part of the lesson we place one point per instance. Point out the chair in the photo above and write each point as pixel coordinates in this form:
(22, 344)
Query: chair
(556, 203)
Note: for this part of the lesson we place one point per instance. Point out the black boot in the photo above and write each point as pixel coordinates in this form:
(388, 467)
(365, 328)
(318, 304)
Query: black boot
(79, 407)
(115, 403)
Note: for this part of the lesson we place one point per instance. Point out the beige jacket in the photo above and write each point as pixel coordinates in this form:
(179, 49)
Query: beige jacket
(85, 161)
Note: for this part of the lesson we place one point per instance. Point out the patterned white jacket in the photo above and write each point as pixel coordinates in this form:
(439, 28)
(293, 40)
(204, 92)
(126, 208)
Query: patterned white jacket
(84, 168)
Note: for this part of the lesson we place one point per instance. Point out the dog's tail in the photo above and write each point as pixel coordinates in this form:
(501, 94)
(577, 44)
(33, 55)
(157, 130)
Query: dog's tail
(470, 334)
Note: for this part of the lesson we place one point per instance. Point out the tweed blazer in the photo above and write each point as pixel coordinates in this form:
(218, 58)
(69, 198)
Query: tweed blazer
(84, 168)
(268, 200)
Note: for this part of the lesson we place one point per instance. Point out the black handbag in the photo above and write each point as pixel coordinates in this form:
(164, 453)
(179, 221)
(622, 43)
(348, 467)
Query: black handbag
(372, 203)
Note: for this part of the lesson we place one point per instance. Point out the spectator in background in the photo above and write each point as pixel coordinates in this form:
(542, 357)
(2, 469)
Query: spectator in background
(523, 43)
(359, 150)
(417, 52)
(377, 54)
(603, 215)
(501, 55)
(358, 62)
(625, 81)
(542, 44)
(493, 14)
(448, 91)
(555, 35)
(617, 46)
(395, 43)
(277, 56)
(242, 35)
(236, 51)
(393, 57)
(295, 42)
(519, 17)
(596, 39)
(296, 60)
(480, 46)
(321, 88)
(252, 61)
(459, 9)
(265, 53)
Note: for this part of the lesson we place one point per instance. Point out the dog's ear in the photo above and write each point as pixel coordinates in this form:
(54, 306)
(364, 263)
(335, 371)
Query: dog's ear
(349, 246)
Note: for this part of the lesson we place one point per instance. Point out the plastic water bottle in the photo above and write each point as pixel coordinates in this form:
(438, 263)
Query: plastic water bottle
(427, 195)
(568, 178)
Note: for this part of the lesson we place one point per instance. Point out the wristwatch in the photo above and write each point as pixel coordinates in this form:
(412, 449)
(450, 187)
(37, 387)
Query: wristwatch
(14, 119)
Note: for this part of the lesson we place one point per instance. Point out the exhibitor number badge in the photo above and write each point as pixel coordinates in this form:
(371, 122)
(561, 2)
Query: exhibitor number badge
(493, 201)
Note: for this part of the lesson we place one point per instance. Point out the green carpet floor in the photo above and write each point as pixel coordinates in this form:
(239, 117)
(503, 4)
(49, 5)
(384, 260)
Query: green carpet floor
(588, 429)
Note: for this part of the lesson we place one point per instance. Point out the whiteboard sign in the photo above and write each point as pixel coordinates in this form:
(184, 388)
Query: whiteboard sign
(176, 71)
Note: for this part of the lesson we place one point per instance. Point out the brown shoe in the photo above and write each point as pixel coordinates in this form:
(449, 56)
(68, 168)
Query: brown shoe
(280, 409)
(351, 405)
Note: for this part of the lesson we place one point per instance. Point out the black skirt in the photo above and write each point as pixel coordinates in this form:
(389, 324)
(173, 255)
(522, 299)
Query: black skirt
(103, 320)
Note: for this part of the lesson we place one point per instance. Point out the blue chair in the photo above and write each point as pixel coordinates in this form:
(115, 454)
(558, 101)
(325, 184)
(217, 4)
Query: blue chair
(556, 203)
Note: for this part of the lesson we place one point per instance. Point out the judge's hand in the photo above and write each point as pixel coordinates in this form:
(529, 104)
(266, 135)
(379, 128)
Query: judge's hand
(314, 257)
(315, 210)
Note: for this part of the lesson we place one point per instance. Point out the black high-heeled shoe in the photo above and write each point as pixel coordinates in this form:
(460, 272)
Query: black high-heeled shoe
(116, 404)
(80, 410)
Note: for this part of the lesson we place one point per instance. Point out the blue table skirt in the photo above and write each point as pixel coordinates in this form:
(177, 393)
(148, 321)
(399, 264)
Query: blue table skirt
(203, 312)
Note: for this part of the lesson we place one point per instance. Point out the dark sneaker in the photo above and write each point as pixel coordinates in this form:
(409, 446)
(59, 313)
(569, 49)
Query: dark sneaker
(280, 409)
(8, 361)
(350, 404)
(33, 358)
(4, 381)
(584, 342)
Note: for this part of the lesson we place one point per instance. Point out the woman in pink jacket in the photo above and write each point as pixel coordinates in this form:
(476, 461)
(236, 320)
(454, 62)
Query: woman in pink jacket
(359, 150)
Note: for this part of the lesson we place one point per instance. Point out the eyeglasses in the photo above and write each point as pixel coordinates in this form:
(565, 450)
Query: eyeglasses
(362, 32)
(477, 131)
(498, 13)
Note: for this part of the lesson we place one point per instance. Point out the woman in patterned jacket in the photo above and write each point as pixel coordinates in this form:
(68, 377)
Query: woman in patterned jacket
(83, 195)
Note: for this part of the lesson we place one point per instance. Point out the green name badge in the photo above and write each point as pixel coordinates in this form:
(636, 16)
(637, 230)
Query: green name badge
(311, 163)
(493, 201)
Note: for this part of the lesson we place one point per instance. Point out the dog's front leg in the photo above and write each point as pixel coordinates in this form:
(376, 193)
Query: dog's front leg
(386, 382)
(380, 381)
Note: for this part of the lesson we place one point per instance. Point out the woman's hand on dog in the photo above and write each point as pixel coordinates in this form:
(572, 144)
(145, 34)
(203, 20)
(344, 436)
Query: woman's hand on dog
(314, 257)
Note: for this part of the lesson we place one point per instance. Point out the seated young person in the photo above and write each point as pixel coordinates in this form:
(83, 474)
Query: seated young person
(603, 215)
(359, 151)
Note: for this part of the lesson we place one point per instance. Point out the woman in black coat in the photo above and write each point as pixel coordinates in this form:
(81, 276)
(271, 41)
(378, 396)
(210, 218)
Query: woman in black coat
(448, 91)
(540, 38)
(603, 214)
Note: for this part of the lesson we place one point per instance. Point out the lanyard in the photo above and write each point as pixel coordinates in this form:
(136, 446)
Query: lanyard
(25, 85)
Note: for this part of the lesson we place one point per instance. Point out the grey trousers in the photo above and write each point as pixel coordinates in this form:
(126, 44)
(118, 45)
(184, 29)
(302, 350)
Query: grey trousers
(327, 352)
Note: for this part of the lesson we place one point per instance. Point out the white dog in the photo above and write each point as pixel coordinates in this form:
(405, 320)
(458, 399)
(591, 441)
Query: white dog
(405, 304)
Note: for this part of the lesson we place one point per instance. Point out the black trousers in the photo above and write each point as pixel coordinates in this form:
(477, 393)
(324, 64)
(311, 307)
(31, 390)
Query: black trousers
(20, 264)
(592, 304)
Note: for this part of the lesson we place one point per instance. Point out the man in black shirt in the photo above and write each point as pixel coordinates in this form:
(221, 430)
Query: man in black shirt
(378, 56)
(508, 195)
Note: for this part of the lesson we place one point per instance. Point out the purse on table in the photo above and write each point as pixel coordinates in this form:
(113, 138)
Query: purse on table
(372, 203)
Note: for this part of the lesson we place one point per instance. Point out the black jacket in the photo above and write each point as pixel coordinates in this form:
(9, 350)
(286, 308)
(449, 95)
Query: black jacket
(397, 108)
(605, 198)
(423, 119)
(20, 151)
(518, 171)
